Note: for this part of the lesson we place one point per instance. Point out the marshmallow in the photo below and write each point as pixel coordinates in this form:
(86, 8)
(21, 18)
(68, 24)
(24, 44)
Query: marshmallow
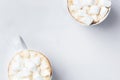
(87, 20)
(30, 65)
(32, 54)
(45, 73)
(36, 76)
(103, 11)
(25, 79)
(76, 2)
(106, 3)
(73, 8)
(36, 60)
(16, 67)
(15, 78)
(18, 59)
(81, 13)
(94, 10)
(17, 63)
(44, 65)
(24, 73)
(87, 2)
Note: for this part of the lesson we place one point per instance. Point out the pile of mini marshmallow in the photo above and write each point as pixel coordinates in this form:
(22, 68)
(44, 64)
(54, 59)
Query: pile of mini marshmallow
(89, 12)
(29, 65)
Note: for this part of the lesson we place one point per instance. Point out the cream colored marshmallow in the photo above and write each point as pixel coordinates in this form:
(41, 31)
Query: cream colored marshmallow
(73, 8)
(77, 3)
(79, 13)
(94, 9)
(30, 65)
(82, 13)
(23, 73)
(106, 3)
(103, 11)
(36, 76)
(36, 60)
(87, 2)
(87, 20)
